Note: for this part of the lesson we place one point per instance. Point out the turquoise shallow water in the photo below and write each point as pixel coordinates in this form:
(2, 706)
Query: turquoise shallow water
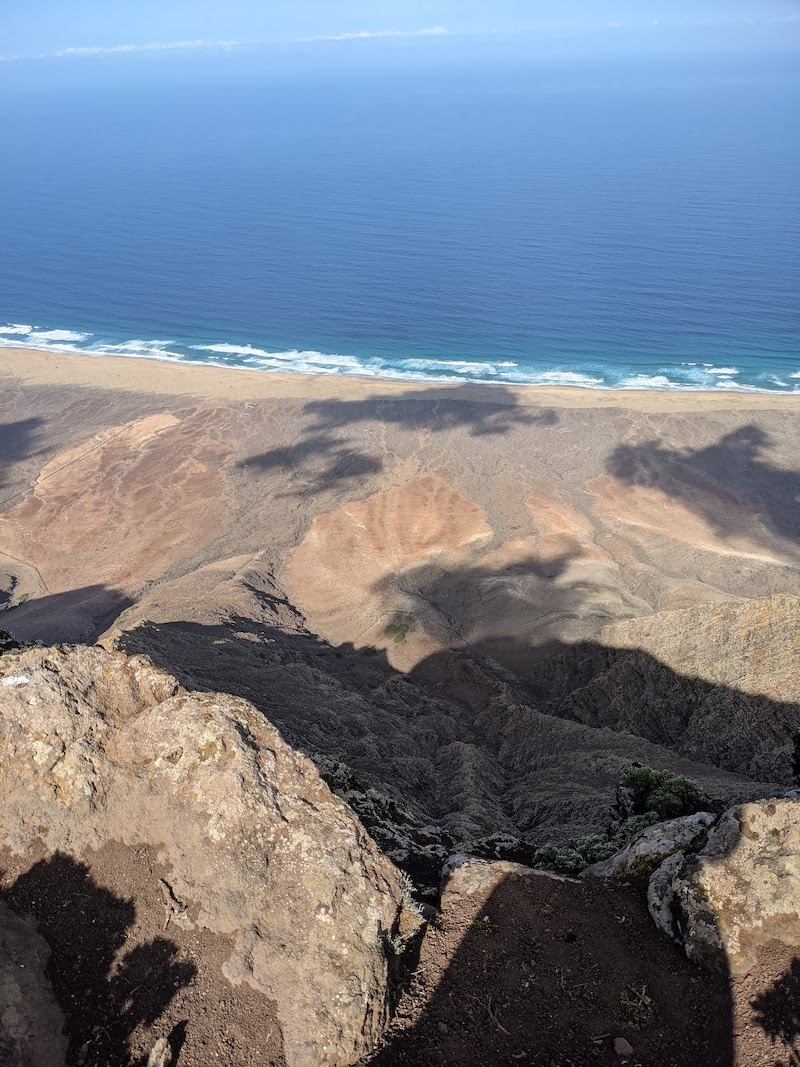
(473, 227)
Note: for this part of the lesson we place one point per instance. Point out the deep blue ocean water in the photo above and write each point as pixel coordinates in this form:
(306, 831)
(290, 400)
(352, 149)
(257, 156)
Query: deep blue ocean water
(495, 228)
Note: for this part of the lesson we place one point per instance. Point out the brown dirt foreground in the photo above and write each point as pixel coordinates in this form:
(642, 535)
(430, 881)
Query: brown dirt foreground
(543, 972)
(124, 976)
(551, 973)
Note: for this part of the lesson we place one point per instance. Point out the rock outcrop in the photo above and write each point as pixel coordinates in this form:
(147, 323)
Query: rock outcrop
(653, 845)
(100, 747)
(740, 891)
(467, 877)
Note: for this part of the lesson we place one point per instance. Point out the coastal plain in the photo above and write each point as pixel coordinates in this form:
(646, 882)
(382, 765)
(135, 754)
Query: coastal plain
(469, 516)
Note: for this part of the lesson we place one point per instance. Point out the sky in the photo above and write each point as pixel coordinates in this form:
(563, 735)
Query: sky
(84, 31)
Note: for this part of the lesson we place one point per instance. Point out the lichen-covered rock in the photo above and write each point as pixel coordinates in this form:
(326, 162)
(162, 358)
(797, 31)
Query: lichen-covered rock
(739, 892)
(98, 747)
(660, 895)
(31, 1022)
(653, 845)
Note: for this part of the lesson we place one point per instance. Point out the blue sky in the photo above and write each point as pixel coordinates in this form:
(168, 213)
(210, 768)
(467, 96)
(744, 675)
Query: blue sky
(83, 30)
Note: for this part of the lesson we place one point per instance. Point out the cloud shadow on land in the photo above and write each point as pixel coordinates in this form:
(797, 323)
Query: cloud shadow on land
(17, 442)
(105, 992)
(728, 484)
(325, 457)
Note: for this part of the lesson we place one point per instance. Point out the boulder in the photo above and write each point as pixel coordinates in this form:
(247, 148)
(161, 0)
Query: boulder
(740, 891)
(465, 876)
(660, 895)
(652, 845)
(99, 747)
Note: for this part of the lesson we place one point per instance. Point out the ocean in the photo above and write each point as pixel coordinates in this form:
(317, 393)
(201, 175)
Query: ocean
(492, 225)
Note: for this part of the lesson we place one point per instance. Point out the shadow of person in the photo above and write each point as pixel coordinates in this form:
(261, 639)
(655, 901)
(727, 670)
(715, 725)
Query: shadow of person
(104, 991)
(777, 1012)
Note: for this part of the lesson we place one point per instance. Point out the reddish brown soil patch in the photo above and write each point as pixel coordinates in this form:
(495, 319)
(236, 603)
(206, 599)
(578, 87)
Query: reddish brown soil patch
(125, 977)
(550, 973)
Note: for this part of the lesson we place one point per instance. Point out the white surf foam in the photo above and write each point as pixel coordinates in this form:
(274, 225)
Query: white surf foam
(232, 350)
(58, 335)
(562, 377)
(649, 381)
(686, 376)
(137, 345)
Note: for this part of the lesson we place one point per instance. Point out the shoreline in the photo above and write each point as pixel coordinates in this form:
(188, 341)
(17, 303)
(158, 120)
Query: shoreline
(146, 374)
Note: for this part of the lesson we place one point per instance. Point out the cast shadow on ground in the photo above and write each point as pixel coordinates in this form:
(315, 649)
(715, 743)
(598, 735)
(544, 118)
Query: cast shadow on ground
(778, 1013)
(545, 972)
(105, 993)
(550, 973)
(75, 616)
(325, 456)
(17, 442)
(728, 484)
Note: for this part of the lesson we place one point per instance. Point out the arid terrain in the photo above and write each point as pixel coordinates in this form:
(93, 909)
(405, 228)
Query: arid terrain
(473, 609)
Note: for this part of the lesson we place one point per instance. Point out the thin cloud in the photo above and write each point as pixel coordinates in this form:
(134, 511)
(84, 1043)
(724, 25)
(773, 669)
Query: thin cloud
(123, 49)
(367, 35)
(171, 46)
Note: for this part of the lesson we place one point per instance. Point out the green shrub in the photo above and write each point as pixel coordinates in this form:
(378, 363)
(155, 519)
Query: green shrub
(659, 795)
(398, 631)
(7, 642)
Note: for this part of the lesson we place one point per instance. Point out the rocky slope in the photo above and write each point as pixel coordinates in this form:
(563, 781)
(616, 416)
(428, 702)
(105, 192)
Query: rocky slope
(460, 750)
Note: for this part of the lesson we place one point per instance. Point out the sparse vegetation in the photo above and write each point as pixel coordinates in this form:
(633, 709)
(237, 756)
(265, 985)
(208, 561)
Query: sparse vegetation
(7, 642)
(658, 795)
(485, 925)
(397, 631)
(581, 853)
(644, 797)
(636, 1006)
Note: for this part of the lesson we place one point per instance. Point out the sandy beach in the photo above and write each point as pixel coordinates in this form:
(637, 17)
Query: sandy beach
(171, 379)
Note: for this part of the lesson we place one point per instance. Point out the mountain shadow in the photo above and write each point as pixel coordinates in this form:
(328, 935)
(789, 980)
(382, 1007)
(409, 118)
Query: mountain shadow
(17, 441)
(77, 615)
(458, 746)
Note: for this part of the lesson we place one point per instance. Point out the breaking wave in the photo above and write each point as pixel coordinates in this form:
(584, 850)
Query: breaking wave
(680, 376)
